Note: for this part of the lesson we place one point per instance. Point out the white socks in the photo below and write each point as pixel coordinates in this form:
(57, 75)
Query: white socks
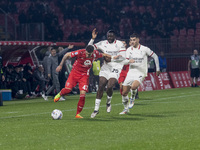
(133, 93)
(97, 104)
(125, 101)
(108, 99)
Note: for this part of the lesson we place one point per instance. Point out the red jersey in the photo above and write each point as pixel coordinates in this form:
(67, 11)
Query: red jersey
(82, 64)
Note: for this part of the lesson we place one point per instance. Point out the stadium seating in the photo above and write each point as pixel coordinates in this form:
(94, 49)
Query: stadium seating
(126, 17)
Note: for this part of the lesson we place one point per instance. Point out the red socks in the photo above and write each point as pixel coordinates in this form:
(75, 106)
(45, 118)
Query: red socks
(65, 91)
(80, 103)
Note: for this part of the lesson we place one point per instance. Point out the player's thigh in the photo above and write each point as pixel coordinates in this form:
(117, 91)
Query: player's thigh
(135, 85)
(111, 82)
(83, 83)
(102, 81)
(71, 81)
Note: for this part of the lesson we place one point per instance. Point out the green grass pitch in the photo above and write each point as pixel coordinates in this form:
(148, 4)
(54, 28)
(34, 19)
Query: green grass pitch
(160, 120)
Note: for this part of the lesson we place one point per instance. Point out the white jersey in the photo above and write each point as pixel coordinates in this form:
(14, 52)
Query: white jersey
(140, 55)
(110, 69)
(113, 49)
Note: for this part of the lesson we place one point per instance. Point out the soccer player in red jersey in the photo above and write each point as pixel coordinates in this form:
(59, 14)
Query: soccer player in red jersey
(79, 73)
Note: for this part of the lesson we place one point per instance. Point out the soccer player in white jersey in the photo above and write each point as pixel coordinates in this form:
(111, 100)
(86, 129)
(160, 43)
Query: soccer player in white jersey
(137, 70)
(110, 71)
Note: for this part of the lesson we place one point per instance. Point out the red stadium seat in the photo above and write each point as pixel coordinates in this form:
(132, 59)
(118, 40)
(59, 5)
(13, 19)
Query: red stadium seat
(183, 32)
(181, 41)
(190, 32)
(198, 25)
(190, 42)
(174, 41)
(176, 32)
(197, 31)
(197, 41)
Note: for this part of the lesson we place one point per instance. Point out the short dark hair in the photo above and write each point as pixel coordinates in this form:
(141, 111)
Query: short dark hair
(89, 48)
(134, 35)
(111, 31)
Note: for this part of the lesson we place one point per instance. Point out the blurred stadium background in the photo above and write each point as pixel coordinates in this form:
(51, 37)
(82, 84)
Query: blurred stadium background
(164, 25)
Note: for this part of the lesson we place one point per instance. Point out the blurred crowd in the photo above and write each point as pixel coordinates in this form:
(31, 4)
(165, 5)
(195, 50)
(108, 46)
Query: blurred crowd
(74, 19)
(28, 81)
(23, 80)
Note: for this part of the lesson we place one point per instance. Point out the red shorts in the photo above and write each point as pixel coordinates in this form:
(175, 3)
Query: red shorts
(74, 78)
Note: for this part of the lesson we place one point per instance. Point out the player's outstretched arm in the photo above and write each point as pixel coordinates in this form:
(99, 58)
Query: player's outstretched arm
(94, 35)
(155, 57)
(65, 57)
(120, 59)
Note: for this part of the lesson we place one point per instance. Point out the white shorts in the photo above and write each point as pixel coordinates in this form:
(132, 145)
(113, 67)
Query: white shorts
(131, 77)
(108, 71)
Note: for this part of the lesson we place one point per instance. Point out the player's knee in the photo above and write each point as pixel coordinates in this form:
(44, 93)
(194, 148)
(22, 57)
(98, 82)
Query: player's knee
(124, 93)
(101, 87)
(133, 87)
(109, 87)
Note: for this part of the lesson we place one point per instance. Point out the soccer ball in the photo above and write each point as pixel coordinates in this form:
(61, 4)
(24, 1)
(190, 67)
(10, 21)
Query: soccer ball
(56, 114)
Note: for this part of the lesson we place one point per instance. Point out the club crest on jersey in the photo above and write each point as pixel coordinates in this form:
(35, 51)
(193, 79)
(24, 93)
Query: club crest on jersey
(87, 63)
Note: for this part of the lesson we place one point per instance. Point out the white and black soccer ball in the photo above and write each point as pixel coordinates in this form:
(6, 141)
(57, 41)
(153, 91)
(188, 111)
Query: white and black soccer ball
(56, 114)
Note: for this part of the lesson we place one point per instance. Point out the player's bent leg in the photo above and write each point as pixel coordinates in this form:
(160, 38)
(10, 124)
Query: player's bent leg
(110, 85)
(102, 83)
(134, 87)
(64, 91)
(81, 104)
(125, 98)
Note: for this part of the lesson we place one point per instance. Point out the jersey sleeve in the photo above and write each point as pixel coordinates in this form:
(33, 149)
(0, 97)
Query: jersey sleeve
(127, 53)
(75, 53)
(99, 46)
(122, 50)
(149, 52)
(97, 54)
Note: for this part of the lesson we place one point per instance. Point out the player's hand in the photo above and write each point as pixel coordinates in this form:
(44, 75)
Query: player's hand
(158, 73)
(59, 68)
(70, 46)
(94, 34)
(131, 61)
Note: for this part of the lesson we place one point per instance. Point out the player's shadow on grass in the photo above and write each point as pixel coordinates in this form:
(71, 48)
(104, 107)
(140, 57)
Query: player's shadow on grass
(143, 99)
(149, 115)
(138, 104)
(113, 118)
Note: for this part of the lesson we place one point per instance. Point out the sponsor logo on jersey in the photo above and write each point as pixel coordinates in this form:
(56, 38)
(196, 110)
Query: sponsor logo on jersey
(87, 63)
(76, 53)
